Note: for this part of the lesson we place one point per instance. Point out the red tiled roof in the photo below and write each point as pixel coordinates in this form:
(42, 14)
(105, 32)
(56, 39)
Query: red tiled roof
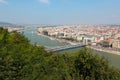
(108, 40)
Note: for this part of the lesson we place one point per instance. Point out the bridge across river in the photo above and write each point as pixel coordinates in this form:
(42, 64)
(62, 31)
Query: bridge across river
(62, 48)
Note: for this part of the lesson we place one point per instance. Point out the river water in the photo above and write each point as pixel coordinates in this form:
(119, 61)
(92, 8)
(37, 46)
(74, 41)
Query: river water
(33, 36)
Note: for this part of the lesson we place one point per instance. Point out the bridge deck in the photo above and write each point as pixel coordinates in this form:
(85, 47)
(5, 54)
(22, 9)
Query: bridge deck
(61, 48)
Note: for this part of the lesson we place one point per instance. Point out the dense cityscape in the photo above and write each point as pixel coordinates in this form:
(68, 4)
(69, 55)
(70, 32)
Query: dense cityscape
(100, 37)
(96, 36)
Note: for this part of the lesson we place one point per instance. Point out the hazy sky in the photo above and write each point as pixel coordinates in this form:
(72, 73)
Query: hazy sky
(60, 11)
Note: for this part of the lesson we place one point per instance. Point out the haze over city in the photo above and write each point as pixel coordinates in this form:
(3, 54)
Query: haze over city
(60, 11)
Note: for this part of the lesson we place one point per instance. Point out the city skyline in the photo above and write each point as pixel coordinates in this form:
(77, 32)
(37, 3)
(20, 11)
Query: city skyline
(60, 11)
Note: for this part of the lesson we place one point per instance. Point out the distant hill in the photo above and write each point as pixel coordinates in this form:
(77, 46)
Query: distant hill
(7, 24)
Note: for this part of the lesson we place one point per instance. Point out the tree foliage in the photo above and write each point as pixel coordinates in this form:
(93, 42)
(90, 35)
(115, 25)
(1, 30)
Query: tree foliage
(19, 60)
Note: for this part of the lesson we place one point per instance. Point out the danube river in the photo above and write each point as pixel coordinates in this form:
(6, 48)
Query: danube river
(33, 36)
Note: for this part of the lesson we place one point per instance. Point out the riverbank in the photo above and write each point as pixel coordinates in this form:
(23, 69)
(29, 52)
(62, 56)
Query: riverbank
(60, 40)
(104, 50)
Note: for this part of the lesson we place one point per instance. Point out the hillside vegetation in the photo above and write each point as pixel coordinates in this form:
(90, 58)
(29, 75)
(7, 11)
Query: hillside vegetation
(19, 60)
